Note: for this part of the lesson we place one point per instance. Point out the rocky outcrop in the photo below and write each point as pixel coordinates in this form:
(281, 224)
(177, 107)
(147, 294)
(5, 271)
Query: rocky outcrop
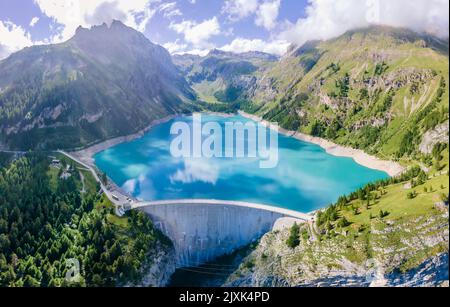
(159, 272)
(433, 137)
(431, 273)
(343, 261)
(400, 78)
(158, 268)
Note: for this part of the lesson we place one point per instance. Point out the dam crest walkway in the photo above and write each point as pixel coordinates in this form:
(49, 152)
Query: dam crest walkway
(282, 211)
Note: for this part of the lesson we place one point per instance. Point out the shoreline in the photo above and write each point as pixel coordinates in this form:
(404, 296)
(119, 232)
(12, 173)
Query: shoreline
(359, 156)
(87, 154)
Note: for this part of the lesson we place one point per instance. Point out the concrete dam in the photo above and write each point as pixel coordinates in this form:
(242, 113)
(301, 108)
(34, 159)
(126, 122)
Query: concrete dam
(202, 230)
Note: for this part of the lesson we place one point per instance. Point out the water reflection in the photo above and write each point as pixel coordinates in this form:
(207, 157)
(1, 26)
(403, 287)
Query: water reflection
(305, 179)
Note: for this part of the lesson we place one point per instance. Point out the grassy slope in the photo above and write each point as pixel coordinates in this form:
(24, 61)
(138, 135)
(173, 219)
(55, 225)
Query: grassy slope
(408, 219)
(397, 203)
(97, 101)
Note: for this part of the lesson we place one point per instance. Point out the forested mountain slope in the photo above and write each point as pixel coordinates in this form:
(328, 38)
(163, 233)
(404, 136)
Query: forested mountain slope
(102, 83)
(53, 220)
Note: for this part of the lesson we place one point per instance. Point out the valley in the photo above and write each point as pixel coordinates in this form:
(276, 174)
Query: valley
(375, 99)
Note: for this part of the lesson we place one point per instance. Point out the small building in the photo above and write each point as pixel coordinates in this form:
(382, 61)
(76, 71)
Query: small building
(56, 163)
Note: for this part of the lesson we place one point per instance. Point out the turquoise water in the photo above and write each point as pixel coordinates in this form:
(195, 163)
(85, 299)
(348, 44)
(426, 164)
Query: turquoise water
(306, 178)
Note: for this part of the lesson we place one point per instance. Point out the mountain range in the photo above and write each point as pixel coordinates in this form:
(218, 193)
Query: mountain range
(379, 89)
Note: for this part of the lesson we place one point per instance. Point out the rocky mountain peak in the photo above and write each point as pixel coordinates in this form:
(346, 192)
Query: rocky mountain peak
(117, 44)
(116, 31)
(217, 52)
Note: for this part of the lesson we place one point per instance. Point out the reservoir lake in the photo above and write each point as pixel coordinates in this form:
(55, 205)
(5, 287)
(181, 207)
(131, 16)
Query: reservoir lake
(305, 179)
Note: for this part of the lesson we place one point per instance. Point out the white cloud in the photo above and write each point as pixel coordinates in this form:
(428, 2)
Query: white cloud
(197, 34)
(329, 18)
(170, 9)
(265, 11)
(278, 47)
(196, 171)
(34, 21)
(74, 13)
(12, 38)
(176, 47)
(323, 19)
(267, 14)
(198, 51)
(238, 9)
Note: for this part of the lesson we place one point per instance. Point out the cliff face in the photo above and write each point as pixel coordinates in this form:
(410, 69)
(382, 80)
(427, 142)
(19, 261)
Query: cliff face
(431, 273)
(433, 137)
(163, 265)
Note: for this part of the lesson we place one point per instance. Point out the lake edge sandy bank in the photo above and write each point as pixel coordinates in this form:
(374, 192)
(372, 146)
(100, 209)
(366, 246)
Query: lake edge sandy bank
(390, 167)
(87, 154)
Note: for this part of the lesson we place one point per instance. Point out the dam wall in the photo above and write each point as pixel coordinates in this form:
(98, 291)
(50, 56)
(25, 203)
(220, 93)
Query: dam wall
(204, 229)
(202, 232)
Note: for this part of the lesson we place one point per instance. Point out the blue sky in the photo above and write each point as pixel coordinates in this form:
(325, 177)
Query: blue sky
(195, 26)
